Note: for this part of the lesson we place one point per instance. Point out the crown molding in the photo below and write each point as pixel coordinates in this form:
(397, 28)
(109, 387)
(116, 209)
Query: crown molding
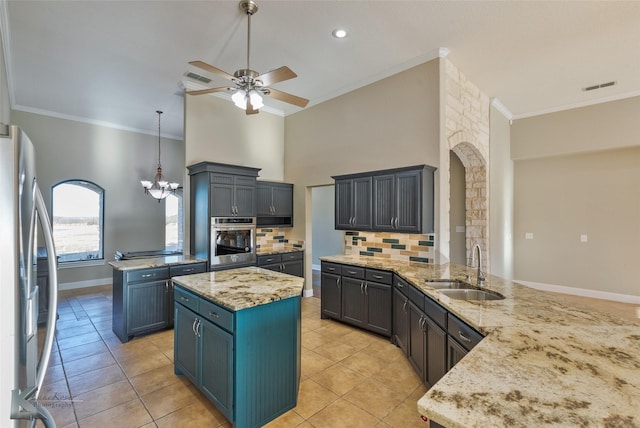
(497, 104)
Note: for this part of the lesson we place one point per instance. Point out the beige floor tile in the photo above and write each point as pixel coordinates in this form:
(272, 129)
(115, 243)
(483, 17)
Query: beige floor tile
(79, 340)
(168, 399)
(400, 377)
(95, 379)
(55, 373)
(375, 398)
(138, 347)
(103, 398)
(342, 414)
(336, 351)
(313, 362)
(87, 364)
(384, 350)
(313, 397)
(154, 379)
(82, 351)
(360, 339)
(191, 416)
(339, 379)
(363, 363)
(144, 363)
(68, 333)
(289, 419)
(131, 414)
(405, 416)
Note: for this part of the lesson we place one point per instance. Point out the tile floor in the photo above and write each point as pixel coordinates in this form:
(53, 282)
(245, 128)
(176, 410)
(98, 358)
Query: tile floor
(349, 377)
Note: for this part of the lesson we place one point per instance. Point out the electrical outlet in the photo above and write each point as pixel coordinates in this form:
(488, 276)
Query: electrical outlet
(528, 235)
(584, 238)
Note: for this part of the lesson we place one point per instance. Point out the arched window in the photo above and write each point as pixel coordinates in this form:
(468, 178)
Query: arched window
(78, 221)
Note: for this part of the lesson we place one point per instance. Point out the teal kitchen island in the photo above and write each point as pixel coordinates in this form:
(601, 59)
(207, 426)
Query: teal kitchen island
(237, 338)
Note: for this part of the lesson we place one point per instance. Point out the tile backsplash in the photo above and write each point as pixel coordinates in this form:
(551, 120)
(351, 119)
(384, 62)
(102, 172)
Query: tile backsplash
(275, 238)
(393, 246)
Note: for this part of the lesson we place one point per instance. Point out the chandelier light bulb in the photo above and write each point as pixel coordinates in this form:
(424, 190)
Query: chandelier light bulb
(159, 188)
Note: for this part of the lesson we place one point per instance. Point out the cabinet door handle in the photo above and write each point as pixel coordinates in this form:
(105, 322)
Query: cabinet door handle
(362, 287)
(366, 288)
(214, 314)
(463, 337)
(166, 286)
(399, 285)
(193, 326)
(338, 282)
(404, 306)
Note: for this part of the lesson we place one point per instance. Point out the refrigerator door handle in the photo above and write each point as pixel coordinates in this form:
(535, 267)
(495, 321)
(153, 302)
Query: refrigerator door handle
(53, 289)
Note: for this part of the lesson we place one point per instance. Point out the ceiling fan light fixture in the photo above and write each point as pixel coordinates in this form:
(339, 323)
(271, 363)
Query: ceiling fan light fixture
(239, 98)
(255, 99)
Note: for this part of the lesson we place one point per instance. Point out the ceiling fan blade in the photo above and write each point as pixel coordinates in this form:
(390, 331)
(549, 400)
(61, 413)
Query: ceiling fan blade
(288, 98)
(212, 69)
(278, 75)
(210, 90)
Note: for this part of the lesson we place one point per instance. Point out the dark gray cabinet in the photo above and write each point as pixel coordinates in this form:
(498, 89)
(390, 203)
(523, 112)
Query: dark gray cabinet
(420, 330)
(358, 296)
(275, 204)
(291, 263)
(353, 203)
(395, 200)
(218, 190)
(143, 298)
(461, 338)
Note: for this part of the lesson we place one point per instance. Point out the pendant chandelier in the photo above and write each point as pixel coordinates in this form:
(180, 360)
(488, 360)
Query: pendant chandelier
(160, 188)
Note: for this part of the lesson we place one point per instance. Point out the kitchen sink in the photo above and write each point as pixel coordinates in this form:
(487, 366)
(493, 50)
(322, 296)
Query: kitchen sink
(447, 284)
(471, 294)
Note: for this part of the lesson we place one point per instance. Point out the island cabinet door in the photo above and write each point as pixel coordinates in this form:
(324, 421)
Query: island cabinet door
(400, 320)
(148, 306)
(216, 366)
(378, 298)
(417, 340)
(185, 348)
(354, 306)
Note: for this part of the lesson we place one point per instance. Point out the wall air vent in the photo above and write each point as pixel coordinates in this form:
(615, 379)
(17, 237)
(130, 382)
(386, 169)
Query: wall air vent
(601, 85)
(197, 77)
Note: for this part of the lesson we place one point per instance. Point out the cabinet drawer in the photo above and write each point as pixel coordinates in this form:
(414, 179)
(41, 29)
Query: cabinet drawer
(269, 259)
(187, 269)
(435, 312)
(381, 276)
(245, 181)
(464, 334)
(330, 267)
(415, 295)
(154, 274)
(185, 298)
(296, 255)
(352, 271)
(221, 178)
(216, 314)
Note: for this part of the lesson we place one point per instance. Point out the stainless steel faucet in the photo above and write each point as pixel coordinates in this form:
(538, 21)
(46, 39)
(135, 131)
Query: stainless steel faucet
(481, 276)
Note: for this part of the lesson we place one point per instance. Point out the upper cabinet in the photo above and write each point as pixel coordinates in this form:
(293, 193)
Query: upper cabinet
(218, 190)
(275, 204)
(395, 200)
(353, 203)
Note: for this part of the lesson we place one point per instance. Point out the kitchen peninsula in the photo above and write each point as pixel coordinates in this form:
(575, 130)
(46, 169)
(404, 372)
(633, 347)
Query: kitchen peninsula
(543, 361)
(237, 338)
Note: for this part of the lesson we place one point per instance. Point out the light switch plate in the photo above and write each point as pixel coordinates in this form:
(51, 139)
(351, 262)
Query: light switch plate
(528, 235)
(584, 238)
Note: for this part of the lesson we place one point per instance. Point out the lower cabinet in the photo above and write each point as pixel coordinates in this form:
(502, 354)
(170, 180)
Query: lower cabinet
(291, 263)
(358, 296)
(246, 362)
(427, 333)
(143, 298)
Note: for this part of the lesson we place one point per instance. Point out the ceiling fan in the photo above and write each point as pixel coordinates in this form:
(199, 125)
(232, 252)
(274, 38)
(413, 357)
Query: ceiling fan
(249, 84)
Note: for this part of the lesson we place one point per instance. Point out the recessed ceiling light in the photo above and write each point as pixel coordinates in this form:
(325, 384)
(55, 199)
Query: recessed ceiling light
(339, 34)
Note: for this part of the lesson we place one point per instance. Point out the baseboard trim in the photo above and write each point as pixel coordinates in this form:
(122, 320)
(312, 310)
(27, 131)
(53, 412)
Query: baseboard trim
(307, 293)
(605, 295)
(84, 284)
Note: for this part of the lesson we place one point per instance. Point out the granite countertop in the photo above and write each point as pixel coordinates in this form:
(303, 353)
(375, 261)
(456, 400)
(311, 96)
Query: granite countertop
(270, 251)
(544, 361)
(154, 262)
(237, 289)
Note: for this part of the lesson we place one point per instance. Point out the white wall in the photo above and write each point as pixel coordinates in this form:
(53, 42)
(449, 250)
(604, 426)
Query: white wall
(325, 240)
(115, 160)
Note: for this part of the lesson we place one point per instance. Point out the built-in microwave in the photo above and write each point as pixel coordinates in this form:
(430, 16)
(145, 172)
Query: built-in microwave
(233, 242)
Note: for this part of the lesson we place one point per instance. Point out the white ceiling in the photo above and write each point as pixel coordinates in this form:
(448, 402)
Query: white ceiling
(117, 62)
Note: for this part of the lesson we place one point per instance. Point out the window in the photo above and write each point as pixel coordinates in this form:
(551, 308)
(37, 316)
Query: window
(78, 220)
(174, 238)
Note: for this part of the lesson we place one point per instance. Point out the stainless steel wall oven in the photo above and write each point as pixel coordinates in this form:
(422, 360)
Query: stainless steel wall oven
(233, 242)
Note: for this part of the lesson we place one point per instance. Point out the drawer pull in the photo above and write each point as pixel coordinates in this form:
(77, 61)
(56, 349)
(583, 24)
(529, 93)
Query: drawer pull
(331, 269)
(399, 285)
(148, 275)
(377, 276)
(184, 299)
(188, 270)
(351, 272)
(214, 314)
(269, 260)
(463, 337)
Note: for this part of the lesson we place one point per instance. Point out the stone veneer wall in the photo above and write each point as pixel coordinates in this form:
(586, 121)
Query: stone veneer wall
(275, 238)
(467, 132)
(393, 246)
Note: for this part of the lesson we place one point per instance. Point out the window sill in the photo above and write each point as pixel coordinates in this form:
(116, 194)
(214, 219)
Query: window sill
(82, 263)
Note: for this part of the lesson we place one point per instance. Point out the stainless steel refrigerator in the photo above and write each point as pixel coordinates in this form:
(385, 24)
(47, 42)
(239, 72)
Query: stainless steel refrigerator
(23, 217)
